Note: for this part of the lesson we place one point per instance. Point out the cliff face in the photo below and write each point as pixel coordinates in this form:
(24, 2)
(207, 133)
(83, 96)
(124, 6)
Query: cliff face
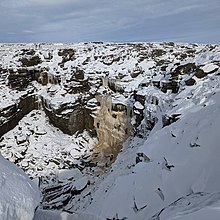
(112, 125)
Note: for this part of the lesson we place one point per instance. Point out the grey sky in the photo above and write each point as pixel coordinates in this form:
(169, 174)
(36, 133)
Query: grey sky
(110, 20)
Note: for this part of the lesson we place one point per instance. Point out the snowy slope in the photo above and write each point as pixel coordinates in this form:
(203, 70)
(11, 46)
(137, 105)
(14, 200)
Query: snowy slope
(19, 196)
(183, 160)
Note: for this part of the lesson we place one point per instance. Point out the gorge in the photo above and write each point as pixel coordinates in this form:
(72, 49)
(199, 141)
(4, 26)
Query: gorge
(107, 131)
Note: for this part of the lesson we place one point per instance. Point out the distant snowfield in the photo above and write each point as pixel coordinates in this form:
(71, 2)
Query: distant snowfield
(169, 173)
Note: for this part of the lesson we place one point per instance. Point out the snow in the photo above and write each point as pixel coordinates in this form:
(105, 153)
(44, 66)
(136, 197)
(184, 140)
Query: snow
(19, 196)
(171, 171)
(211, 213)
(58, 215)
(46, 149)
(209, 67)
(193, 206)
(138, 105)
(199, 165)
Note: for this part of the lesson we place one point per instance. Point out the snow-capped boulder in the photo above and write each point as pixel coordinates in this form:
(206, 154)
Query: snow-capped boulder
(19, 196)
(210, 68)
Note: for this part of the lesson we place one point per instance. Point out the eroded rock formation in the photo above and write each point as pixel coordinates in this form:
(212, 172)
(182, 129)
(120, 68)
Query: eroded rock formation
(112, 124)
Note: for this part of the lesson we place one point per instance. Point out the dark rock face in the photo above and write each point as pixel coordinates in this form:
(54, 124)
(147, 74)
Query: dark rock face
(14, 113)
(70, 118)
(139, 113)
(170, 85)
(19, 79)
(67, 55)
(183, 69)
(110, 59)
(167, 120)
(77, 83)
(34, 60)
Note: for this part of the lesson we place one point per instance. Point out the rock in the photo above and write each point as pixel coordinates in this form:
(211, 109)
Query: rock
(136, 73)
(110, 59)
(169, 85)
(67, 55)
(167, 120)
(183, 69)
(158, 53)
(200, 74)
(190, 82)
(140, 97)
(33, 61)
(113, 84)
(15, 113)
(19, 79)
(43, 77)
(112, 124)
(79, 74)
(210, 68)
(69, 117)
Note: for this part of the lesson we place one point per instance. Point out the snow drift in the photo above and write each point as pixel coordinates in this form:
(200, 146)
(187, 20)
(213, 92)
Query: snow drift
(19, 196)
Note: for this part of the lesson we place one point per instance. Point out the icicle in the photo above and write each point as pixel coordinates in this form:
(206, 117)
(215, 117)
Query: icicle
(39, 102)
(105, 82)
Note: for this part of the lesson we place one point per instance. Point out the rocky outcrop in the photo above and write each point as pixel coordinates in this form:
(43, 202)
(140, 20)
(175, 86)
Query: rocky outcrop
(112, 124)
(190, 82)
(32, 61)
(69, 117)
(112, 84)
(77, 83)
(44, 78)
(11, 115)
(20, 78)
(169, 85)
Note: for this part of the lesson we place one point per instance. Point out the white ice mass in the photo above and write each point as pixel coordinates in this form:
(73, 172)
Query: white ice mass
(110, 131)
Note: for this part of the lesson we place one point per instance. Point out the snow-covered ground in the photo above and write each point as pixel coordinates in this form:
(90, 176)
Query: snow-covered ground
(19, 196)
(169, 172)
(46, 148)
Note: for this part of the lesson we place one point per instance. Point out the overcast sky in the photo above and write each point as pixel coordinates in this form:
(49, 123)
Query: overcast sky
(110, 20)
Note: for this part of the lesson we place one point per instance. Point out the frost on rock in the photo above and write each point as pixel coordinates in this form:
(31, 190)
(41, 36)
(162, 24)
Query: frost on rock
(19, 196)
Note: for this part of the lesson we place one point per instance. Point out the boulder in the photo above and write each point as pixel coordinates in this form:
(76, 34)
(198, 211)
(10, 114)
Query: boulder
(200, 74)
(190, 82)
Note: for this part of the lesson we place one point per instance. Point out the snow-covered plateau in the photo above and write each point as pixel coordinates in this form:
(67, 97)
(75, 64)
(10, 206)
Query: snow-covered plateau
(106, 131)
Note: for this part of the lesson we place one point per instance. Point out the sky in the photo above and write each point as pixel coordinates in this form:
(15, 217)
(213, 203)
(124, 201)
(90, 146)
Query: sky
(69, 21)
